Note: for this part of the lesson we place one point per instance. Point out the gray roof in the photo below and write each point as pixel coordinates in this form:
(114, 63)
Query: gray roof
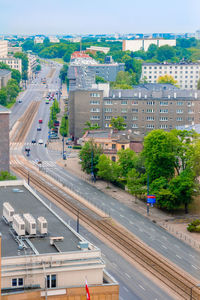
(23, 201)
(4, 72)
(181, 63)
(156, 86)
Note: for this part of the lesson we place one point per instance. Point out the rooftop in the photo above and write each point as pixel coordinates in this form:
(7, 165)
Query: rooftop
(4, 72)
(4, 110)
(24, 201)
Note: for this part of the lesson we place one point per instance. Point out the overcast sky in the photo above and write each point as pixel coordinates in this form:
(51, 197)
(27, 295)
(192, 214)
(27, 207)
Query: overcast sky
(98, 16)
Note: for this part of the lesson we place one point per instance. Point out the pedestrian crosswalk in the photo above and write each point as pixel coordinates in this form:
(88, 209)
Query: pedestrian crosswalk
(19, 146)
(44, 164)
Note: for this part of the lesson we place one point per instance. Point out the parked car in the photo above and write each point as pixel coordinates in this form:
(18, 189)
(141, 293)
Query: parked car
(56, 123)
(20, 101)
(39, 129)
(33, 141)
(40, 141)
(40, 121)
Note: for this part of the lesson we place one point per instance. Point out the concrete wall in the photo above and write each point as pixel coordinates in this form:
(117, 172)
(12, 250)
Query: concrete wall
(4, 143)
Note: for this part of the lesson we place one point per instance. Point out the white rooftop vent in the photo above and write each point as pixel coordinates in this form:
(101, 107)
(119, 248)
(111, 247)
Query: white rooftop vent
(30, 223)
(42, 225)
(8, 211)
(145, 96)
(174, 95)
(139, 94)
(195, 95)
(18, 225)
(120, 94)
(83, 245)
(169, 96)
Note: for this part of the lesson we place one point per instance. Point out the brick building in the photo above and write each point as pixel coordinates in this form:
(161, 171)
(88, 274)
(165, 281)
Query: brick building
(4, 141)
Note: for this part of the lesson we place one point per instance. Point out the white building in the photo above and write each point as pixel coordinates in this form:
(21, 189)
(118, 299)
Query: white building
(32, 63)
(53, 39)
(143, 44)
(197, 34)
(100, 49)
(186, 74)
(3, 48)
(12, 62)
(38, 40)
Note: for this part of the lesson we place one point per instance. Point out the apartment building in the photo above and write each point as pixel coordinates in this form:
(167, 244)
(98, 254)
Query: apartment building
(4, 134)
(38, 40)
(3, 48)
(143, 109)
(94, 49)
(5, 75)
(53, 39)
(186, 74)
(14, 50)
(143, 44)
(42, 256)
(32, 63)
(12, 62)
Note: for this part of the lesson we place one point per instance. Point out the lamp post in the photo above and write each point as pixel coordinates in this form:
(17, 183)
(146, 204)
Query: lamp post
(197, 286)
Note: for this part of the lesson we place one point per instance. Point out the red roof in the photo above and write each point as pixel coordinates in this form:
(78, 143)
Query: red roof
(81, 54)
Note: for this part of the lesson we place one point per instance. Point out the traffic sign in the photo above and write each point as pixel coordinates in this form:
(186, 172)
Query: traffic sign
(151, 199)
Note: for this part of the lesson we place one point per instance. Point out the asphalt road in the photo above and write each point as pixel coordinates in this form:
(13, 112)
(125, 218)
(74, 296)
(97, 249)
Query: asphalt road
(134, 285)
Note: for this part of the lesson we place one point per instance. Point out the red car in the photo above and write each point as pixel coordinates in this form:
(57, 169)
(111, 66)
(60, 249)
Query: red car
(40, 121)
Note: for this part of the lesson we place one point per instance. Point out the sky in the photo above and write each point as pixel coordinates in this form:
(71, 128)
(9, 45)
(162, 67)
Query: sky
(52, 17)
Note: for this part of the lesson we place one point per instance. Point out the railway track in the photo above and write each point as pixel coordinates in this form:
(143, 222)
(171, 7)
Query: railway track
(176, 279)
(24, 123)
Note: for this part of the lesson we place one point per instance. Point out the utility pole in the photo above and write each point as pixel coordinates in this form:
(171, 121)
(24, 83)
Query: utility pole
(147, 193)
(77, 225)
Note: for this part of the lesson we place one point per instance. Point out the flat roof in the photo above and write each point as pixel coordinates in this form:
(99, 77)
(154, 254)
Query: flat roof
(4, 72)
(23, 201)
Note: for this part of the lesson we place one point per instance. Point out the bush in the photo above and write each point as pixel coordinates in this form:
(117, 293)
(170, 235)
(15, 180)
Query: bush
(77, 147)
(194, 226)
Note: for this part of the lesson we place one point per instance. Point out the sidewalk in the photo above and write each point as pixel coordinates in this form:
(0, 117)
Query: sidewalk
(176, 225)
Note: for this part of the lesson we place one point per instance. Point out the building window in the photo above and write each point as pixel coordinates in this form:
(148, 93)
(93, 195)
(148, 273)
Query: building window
(179, 119)
(95, 118)
(134, 126)
(135, 118)
(17, 282)
(150, 110)
(95, 110)
(95, 95)
(163, 118)
(113, 146)
(108, 102)
(134, 110)
(163, 111)
(179, 111)
(179, 103)
(108, 117)
(51, 281)
(150, 126)
(124, 102)
(163, 126)
(108, 109)
(124, 110)
(94, 102)
(163, 103)
(150, 118)
(150, 102)
(113, 158)
(122, 147)
(134, 102)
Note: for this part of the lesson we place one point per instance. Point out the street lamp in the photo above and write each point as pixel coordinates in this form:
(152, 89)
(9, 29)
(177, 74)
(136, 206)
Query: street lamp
(197, 285)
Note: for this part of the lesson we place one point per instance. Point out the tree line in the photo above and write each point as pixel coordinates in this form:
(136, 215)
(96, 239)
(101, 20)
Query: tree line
(168, 167)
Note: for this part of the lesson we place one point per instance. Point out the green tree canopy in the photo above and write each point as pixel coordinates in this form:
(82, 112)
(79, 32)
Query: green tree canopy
(118, 123)
(16, 75)
(105, 170)
(100, 79)
(24, 58)
(167, 79)
(3, 96)
(127, 161)
(165, 53)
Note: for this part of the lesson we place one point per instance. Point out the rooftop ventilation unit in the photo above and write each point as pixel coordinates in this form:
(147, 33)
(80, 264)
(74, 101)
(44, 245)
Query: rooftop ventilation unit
(18, 225)
(42, 225)
(83, 245)
(8, 211)
(30, 223)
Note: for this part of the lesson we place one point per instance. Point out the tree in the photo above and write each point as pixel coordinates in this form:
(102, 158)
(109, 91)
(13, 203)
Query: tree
(124, 78)
(3, 96)
(104, 167)
(127, 161)
(89, 156)
(134, 67)
(38, 68)
(152, 51)
(63, 72)
(198, 85)
(118, 123)
(135, 183)
(165, 53)
(100, 79)
(24, 58)
(167, 79)
(12, 89)
(5, 175)
(16, 75)
(90, 126)
(160, 154)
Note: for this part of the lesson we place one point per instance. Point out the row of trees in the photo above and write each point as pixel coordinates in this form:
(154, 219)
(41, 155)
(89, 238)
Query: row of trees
(54, 110)
(169, 165)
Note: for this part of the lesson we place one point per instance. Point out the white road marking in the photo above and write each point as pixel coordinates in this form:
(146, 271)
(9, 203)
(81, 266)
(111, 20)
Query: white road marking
(131, 222)
(164, 246)
(178, 256)
(194, 267)
(141, 287)
(125, 288)
(127, 275)
(121, 216)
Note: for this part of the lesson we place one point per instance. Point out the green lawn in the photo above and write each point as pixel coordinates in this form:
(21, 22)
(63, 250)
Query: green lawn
(58, 60)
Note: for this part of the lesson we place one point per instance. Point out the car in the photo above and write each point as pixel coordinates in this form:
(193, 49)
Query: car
(56, 123)
(40, 141)
(33, 141)
(39, 129)
(40, 121)
(20, 101)
(27, 149)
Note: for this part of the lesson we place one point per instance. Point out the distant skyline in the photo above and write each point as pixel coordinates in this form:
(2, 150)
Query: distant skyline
(60, 17)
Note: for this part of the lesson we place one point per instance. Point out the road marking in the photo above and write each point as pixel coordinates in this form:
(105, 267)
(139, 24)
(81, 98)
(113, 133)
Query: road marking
(141, 287)
(125, 288)
(176, 246)
(194, 267)
(178, 256)
(191, 255)
(164, 237)
(127, 275)
(121, 209)
(121, 216)
(164, 246)
(131, 222)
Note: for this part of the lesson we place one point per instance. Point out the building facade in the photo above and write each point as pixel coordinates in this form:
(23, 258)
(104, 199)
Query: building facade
(4, 144)
(32, 63)
(143, 110)
(5, 75)
(3, 48)
(187, 75)
(14, 50)
(143, 44)
(13, 63)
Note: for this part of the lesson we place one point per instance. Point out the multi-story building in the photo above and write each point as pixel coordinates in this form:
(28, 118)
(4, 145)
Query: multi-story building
(143, 44)
(38, 40)
(4, 144)
(53, 39)
(32, 63)
(143, 109)
(12, 62)
(94, 49)
(5, 75)
(42, 256)
(186, 74)
(3, 48)
(13, 50)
